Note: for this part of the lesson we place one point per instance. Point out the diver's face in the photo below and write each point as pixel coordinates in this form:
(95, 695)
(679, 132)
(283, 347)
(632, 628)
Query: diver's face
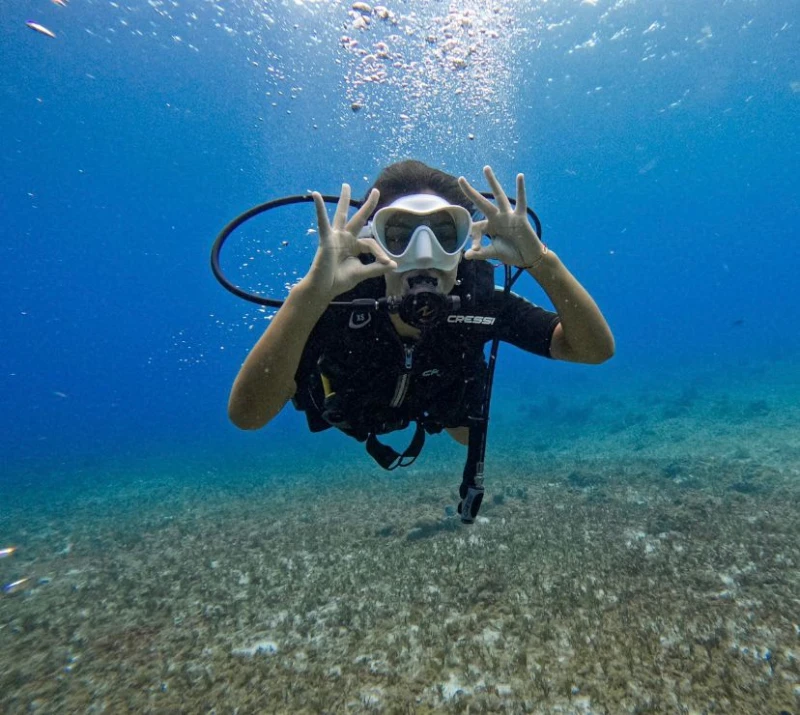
(397, 284)
(425, 234)
(428, 250)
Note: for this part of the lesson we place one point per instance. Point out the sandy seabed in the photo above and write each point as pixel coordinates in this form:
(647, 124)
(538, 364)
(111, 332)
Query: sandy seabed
(649, 567)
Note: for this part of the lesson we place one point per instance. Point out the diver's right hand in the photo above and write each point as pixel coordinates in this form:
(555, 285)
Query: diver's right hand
(337, 267)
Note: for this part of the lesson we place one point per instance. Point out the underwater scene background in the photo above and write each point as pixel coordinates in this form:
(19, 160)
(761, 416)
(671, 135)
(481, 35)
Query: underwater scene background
(638, 548)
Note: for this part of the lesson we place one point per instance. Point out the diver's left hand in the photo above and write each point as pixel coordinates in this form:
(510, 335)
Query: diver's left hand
(513, 239)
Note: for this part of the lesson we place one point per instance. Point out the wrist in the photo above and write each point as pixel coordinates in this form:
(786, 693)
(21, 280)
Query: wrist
(539, 260)
(311, 294)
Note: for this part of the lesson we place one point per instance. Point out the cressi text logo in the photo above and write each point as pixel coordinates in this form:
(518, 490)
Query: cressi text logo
(471, 319)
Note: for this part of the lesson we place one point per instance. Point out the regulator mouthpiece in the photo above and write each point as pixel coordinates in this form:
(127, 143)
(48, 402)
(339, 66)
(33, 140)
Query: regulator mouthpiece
(423, 305)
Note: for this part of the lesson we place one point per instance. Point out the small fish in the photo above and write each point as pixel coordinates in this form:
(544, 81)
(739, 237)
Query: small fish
(7, 551)
(40, 28)
(15, 586)
(60, 3)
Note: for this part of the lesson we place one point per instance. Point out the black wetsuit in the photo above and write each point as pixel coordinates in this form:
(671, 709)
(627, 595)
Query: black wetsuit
(358, 374)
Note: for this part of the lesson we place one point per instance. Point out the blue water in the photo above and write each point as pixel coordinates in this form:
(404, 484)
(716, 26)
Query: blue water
(640, 549)
(659, 143)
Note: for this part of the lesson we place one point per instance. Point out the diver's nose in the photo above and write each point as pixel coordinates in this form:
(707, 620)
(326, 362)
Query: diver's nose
(424, 248)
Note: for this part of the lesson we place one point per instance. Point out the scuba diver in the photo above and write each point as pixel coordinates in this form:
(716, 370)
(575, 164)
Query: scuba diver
(409, 345)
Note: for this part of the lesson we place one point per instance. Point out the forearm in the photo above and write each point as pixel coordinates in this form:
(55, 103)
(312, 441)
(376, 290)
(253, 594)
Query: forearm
(587, 335)
(266, 379)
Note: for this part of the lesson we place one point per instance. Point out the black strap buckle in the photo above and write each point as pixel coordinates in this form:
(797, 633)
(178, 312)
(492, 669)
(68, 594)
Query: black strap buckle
(388, 457)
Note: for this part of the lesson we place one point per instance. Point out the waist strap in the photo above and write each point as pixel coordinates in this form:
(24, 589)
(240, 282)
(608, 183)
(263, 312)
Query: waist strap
(390, 458)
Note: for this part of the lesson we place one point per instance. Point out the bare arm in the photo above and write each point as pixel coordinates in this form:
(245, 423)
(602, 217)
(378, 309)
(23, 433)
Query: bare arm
(265, 382)
(583, 334)
(266, 379)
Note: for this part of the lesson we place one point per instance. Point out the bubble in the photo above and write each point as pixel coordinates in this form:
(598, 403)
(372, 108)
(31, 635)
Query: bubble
(435, 68)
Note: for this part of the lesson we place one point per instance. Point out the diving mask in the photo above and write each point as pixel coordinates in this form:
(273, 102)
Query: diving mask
(422, 231)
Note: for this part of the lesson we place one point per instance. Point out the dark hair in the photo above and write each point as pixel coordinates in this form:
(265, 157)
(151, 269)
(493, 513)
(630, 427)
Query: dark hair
(414, 177)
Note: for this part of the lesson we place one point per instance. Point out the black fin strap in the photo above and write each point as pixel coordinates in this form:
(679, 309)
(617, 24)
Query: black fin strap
(388, 457)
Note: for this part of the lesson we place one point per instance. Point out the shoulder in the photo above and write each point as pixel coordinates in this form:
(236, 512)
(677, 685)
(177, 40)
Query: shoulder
(517, 307)
(523, 323)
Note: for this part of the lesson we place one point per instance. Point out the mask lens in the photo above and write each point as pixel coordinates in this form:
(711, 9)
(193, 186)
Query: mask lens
(397, 231)
(400, 226)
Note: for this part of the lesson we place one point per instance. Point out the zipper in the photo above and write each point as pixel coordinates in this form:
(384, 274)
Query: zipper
(409, 356)
(401, 389)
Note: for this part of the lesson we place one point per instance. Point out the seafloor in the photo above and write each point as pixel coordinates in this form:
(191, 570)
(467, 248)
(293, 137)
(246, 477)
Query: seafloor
(638, 553)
